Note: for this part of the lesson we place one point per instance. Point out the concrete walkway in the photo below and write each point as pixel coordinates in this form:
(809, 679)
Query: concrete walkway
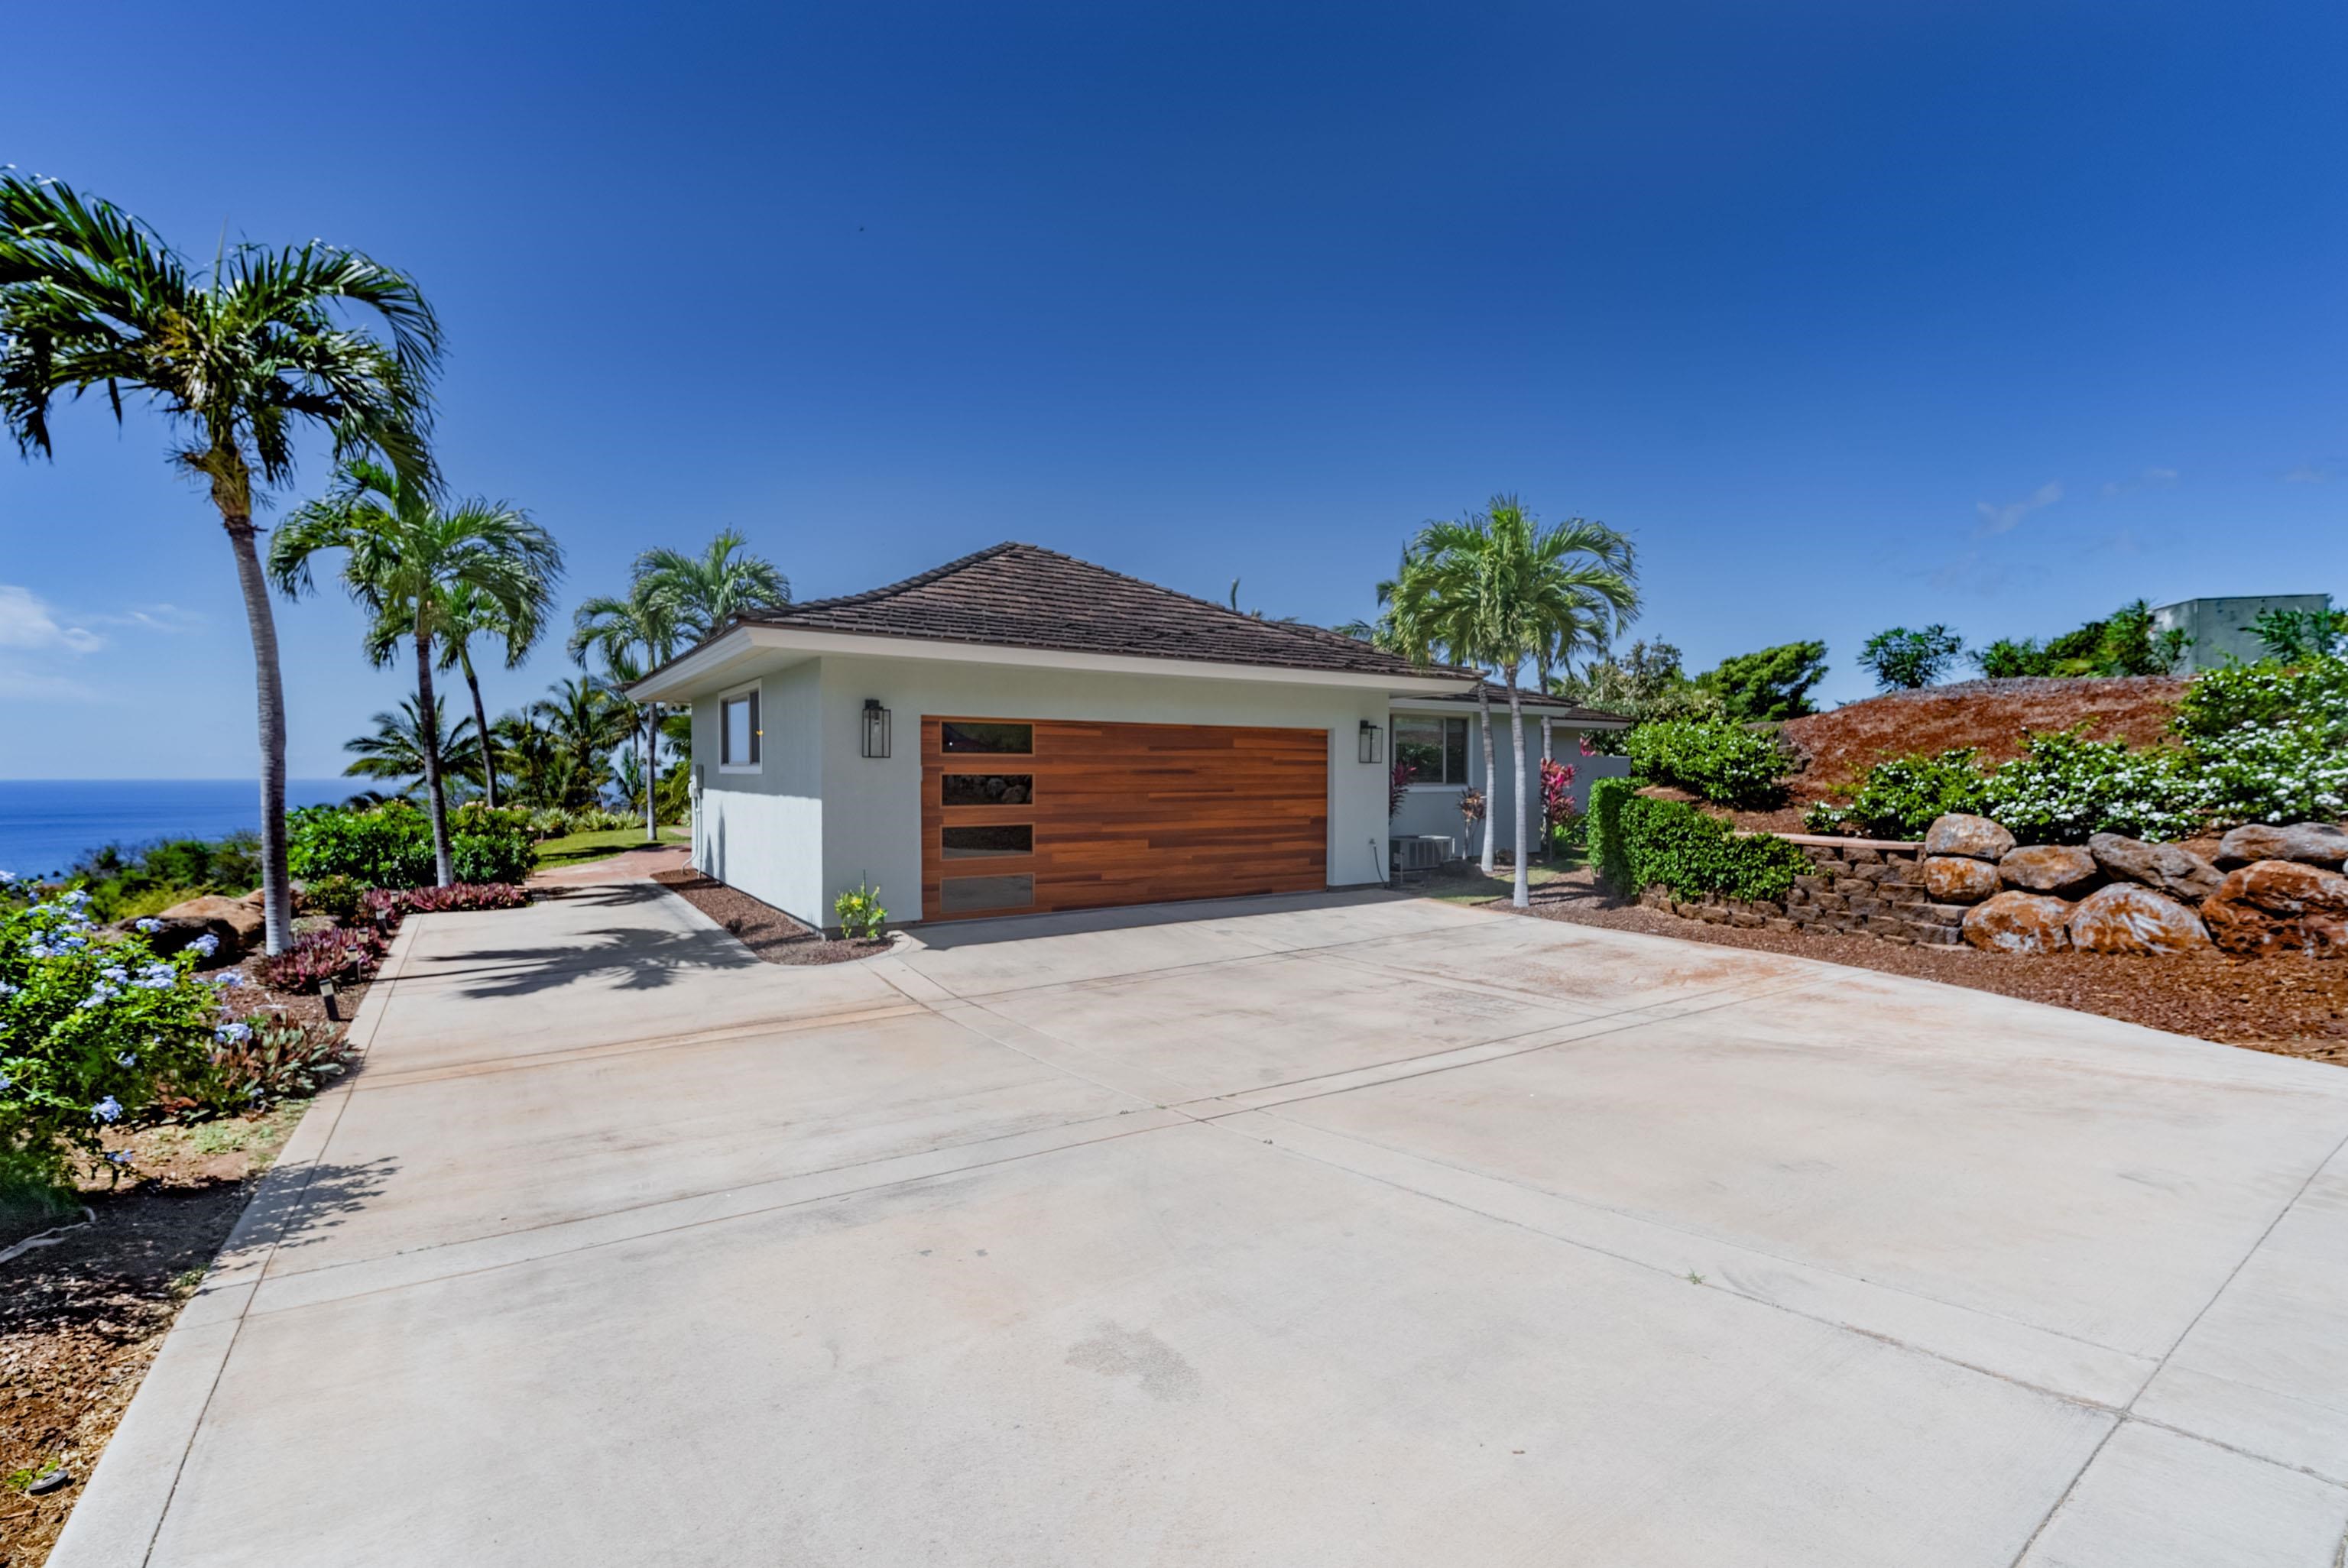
(1336, 1230)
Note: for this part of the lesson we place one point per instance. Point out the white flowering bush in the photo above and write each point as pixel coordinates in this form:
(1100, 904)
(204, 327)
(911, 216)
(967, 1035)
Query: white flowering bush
(2064, 788)
(94, 1028)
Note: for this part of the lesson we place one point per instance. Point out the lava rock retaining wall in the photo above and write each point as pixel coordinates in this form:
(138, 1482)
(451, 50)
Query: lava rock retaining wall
(1873, 888)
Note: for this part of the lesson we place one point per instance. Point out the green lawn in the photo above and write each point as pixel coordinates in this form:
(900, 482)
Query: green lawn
(573, 849)
(1474, 887)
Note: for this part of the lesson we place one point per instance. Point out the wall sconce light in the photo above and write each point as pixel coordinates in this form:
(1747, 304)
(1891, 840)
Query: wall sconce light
(1371, 737)
(876, 728)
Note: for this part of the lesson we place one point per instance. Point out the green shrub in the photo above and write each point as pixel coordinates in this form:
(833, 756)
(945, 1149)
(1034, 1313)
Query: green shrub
(336, 896)
(1605, 830)
(390, 846)
(94, 1030)
(2066, 786)
(2312, 695)
(1899, 797)
(859, 914)
(1724, 762)
(1902, 660)
(1694, 853)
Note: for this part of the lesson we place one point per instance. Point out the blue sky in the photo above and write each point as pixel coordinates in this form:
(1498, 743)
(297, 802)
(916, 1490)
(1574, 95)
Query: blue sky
(1991, 314)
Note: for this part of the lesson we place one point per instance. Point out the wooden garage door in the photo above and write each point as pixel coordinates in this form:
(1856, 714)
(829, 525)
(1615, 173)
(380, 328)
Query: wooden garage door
(1036, 814)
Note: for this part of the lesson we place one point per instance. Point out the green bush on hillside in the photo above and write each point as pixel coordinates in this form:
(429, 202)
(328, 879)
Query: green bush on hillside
(390, 846)
(1726, 763)
(1899, 797)
(1774, 683)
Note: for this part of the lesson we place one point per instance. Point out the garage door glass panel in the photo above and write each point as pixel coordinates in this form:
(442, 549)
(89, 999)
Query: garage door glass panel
(968, 895)
(987, 789)
(957, 736)
(983, 843)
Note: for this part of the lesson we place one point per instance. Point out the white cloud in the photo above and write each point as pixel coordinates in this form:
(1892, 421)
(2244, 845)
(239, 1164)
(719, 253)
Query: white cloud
(167, 618)
(27, 621)
(2306, 473)
(38, 686)
(2002, 518)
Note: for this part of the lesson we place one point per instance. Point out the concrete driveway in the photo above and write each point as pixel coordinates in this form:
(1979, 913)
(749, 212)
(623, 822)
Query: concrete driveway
(1336, 1230)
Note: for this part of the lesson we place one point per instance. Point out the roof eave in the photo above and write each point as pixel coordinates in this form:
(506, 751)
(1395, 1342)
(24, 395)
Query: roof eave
(696, 671)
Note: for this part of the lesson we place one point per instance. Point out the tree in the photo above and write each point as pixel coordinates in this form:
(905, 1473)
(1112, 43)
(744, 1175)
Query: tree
(2299, 636)
(475, 613)
(397, 748)
(1496, 585)
(1774, 683)
(1901, 660)
(583, 723)
(632, 635)
(405, 559)
(703, 592)
(239, 360)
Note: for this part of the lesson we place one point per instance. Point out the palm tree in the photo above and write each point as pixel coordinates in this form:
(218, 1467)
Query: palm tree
(241, 359)
(398, 747)
(583, 722)
(632, 635)
(704, 591)
(473, 612)
(1501, 584)
(403, 557)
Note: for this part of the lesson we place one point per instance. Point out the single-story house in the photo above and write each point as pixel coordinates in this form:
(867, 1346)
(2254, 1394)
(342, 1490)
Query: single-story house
(1020, 731)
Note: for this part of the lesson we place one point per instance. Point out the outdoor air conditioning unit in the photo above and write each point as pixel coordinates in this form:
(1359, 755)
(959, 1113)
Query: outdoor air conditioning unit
(1421, 852)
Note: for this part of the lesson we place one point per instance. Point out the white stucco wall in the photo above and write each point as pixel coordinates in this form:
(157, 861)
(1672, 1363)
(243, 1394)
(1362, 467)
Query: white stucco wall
(1434, 809)
(763, 831)
(820, 815)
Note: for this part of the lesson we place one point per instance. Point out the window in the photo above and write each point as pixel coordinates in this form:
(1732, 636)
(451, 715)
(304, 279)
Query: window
(964, 895)
(987, 789)
(955, 735)
(988, 843)
(738, 733)
(1435, 749)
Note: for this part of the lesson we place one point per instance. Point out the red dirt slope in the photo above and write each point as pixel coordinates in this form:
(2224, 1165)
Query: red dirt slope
(1990, 715)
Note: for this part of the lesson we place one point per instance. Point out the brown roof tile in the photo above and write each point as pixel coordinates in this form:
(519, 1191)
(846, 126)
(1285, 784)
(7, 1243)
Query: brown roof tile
(1024, 596)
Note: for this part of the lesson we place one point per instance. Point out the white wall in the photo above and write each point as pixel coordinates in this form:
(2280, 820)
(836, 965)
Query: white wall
(1434, 809)
(820, 815)
(763, 831)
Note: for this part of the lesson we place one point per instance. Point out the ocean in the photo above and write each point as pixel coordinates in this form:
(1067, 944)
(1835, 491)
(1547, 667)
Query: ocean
(48, 824)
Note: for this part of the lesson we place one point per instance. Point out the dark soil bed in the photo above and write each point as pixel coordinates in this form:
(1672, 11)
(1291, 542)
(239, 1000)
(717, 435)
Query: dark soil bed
(81, 1320)
(766, 931)
(2292, 1005)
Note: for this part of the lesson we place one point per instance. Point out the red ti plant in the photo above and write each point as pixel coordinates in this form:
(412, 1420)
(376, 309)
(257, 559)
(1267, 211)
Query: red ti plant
(1397, 786)
(1557, 791)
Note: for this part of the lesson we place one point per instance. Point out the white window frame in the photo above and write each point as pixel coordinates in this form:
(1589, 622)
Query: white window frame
(755, 689)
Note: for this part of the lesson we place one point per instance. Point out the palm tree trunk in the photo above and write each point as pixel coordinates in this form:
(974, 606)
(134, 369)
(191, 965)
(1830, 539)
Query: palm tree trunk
(1522, 895)
(480, 727)
(1547, 753)
(1484, 707)
(276, 892)
(427, 736)
(652, 740)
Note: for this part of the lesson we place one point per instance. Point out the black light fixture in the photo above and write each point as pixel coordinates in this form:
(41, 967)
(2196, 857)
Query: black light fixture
(876, 728)
(1371, 734)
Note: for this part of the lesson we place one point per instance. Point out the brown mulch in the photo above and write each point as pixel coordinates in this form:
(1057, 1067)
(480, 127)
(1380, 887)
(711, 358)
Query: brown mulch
(81, 1320)
(2290, 1006)
(1988, 715)
(766, 931)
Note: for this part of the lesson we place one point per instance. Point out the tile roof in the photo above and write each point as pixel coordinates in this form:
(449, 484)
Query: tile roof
(1024, 596)
(1555, 708)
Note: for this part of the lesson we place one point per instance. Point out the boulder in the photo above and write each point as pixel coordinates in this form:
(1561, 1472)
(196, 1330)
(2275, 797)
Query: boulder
(1976, 837)
(2171, 867)
(2280, 906)
(1954, 879)
(2310, 843)
(2019, 923)
(2063, 869)
(238, 924)
(2128, 918)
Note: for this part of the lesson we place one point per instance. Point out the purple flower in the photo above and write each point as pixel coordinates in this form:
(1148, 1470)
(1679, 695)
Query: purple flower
(233, 1033)
(205, 946)
(150, 924)
(107, 1110)
(120, 1156)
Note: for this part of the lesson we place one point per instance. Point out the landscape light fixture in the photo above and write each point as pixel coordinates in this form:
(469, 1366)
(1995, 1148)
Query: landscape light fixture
(876, 728)
(1371, 735)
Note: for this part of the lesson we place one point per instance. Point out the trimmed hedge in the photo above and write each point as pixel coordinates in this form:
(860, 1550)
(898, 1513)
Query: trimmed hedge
(1637, 842)
(390, 846)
